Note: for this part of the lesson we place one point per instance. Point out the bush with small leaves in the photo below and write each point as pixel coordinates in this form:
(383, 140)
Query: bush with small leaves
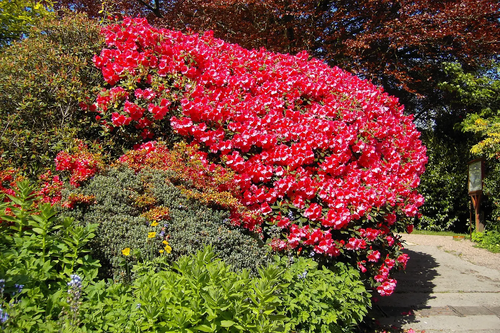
(45, 77)
(146, 214)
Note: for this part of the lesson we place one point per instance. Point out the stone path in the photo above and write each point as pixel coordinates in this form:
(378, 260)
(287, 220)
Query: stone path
(440, 292)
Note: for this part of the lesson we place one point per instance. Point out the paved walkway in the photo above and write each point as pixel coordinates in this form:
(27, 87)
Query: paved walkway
(441, 292)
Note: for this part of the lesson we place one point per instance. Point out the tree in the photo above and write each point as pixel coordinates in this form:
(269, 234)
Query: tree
(16, 17)
(480, 92)
(397, 44)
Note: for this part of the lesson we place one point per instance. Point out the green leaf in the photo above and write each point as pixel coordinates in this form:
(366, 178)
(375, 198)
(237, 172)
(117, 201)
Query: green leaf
(204, 328)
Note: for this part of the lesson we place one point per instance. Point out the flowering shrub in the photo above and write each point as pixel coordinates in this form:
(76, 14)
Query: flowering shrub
(8, 179)
(81, 165)
(327, 158)
(189, 170)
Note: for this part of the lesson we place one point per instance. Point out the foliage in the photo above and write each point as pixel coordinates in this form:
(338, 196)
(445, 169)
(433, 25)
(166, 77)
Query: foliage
(196, 294)
(397, 44)
(257, 114)
(48, 283)
(39, 251)
(129, 206)
(16, 17)
(44, 78)
(490, 240)
(444, 184)
(189, 169)
(491, 187)
(322, 300)
(480, 91)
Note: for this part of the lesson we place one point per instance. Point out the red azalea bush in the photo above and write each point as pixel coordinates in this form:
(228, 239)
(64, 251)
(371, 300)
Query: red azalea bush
(326, 163)
(81, 164)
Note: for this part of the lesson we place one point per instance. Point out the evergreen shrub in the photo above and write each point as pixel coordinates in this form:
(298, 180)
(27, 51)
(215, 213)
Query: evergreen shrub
(45, 77)
(129, 207)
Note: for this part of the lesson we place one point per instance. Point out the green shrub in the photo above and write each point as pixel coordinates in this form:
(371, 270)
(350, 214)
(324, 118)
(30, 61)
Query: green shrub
(123, 202)
(492, 191)
(320, 299)
(489, 240)
(197, 293)
(39, 253)
(44, 78)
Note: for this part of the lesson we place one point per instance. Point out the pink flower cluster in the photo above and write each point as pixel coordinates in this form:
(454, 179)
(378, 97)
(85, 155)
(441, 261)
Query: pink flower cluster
(327, 157)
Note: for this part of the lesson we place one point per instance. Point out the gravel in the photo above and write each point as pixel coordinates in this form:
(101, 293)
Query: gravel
(463, 248)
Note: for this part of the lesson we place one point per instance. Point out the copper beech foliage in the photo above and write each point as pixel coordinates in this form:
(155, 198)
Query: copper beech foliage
(397, 44)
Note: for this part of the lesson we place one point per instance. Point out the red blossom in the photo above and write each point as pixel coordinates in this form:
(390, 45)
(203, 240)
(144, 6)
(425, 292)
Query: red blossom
(332, 148)
(387, 287)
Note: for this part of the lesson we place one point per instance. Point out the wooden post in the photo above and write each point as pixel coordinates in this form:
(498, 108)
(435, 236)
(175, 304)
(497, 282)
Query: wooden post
(476, 202)
(476, 175)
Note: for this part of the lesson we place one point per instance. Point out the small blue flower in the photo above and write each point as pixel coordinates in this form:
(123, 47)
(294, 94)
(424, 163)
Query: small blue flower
(19, 289)
(3, 316)
(138, 306)
(76, 281)
(290, 215)
(302, 276)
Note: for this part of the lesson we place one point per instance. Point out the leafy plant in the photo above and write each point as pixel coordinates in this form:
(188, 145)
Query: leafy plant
(39, 251)
(197, 293)
(320, 299)
(490, 240)
(44, 79)
(16, 17)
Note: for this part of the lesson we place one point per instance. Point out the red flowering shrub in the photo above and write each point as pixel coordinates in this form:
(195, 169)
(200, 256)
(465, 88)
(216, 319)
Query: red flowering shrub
(81, 165)
(51, 186)
(326, 163)
(192, 173)
(8, 179)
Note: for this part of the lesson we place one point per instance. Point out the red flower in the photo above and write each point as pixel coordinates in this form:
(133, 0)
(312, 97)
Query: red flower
(373, 256)
(387, 287)
(313, 212)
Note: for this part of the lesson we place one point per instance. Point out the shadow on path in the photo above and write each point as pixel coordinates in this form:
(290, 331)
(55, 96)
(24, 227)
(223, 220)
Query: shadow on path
(413, 291)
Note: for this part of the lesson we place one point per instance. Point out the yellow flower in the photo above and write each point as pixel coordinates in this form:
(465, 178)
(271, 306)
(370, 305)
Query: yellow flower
(154, 224)
(165, 242)
(151, 234)
(126, 251)
(168, 249)
(161, 251)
